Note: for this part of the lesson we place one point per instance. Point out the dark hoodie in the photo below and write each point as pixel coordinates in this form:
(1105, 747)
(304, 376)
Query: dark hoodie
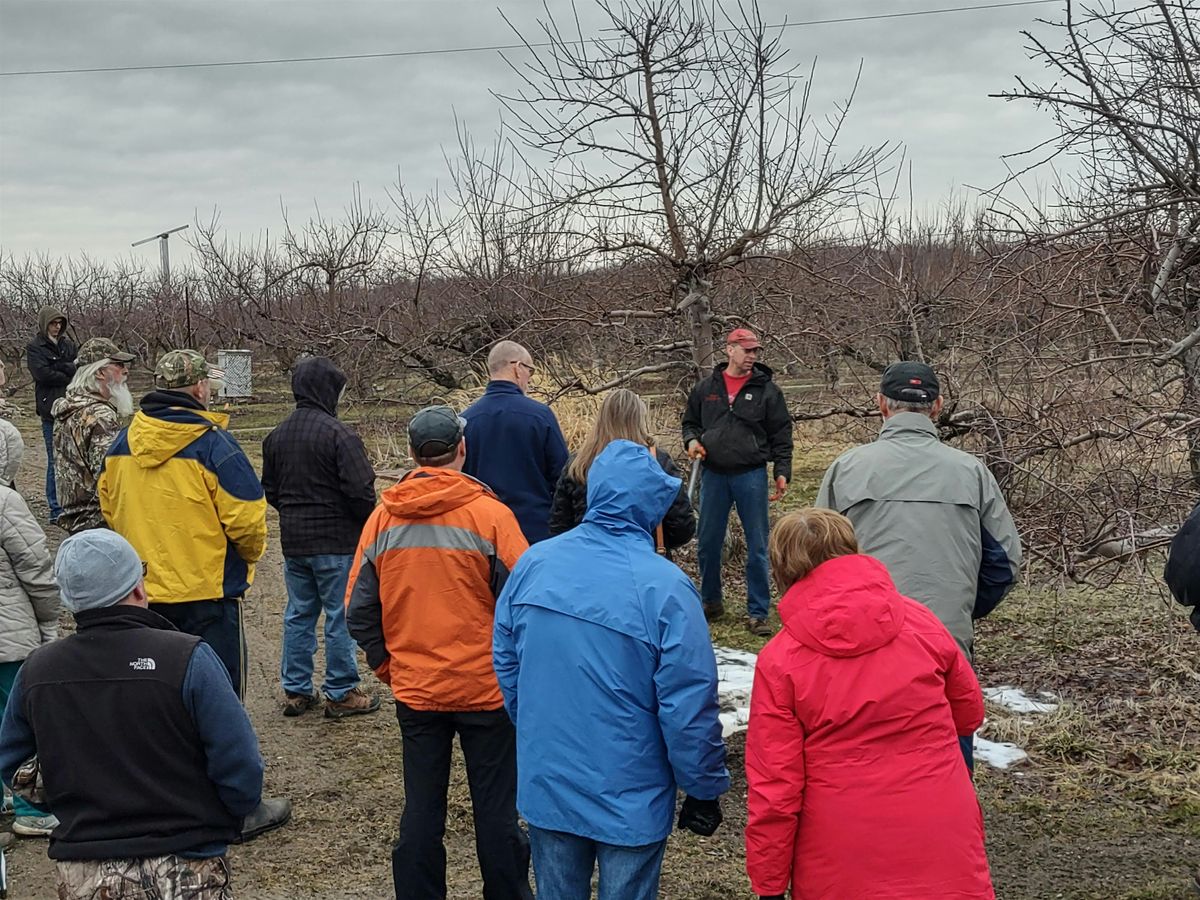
(315, 468)
(51, 363)
(754, 430)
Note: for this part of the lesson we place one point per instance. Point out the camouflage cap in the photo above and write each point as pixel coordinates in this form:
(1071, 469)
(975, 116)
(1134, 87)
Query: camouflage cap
(100, 348)
(183, 368)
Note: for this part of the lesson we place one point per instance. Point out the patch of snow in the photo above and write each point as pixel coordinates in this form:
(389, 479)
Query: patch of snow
(1018, 701)
(735, 678)
(998, 755)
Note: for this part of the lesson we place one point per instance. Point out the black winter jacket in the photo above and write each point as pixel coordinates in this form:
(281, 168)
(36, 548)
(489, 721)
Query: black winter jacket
(51, 364)
(123, 676)
(754, 430)
(315, 468)
(1182, 573)
(570, 503)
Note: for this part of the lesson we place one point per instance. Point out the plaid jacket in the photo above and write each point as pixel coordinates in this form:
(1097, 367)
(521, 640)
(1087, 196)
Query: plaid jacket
(315, 468)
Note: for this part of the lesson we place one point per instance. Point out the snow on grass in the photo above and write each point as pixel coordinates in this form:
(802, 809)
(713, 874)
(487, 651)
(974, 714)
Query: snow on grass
(735, 677)
(1015, 699)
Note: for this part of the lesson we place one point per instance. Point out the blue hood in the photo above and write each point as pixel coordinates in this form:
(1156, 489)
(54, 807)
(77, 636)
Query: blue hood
(627, 489)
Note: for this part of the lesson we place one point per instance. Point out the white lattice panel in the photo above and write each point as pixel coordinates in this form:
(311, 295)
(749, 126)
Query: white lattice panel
(238, 381)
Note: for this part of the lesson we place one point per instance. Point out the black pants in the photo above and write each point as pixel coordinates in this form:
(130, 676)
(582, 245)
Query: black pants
(489, 746)
(219, 623)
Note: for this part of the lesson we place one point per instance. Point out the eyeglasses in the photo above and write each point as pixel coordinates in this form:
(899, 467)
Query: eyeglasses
(517, 362)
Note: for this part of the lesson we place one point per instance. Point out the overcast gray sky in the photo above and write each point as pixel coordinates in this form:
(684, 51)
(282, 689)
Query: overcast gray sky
(92, 162)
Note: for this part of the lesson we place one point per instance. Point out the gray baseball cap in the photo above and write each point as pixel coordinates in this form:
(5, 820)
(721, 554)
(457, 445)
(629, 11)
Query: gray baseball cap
(96, 568)
(435, 430)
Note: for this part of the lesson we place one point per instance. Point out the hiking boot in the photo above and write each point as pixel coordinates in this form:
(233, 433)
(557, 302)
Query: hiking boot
(34, 826)
(714, 612)
(271, 813)
(759, 627)
(356, 703)
(298, 704)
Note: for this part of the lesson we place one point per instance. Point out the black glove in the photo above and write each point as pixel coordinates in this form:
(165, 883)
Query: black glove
(700, 816)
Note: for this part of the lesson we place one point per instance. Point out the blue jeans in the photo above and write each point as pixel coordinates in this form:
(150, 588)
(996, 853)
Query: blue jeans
(718, 494)
(316, 583)
(51, 487)
(967, 746)
(563, 864)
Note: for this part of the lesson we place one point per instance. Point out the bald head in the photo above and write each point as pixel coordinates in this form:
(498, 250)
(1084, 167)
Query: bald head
(502, 356)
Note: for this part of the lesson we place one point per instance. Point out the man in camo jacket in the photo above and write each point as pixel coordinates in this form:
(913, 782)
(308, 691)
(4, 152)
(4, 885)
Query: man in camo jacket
(96, 407)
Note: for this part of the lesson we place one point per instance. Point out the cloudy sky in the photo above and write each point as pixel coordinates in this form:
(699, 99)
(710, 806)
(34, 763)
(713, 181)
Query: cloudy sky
(92, 162)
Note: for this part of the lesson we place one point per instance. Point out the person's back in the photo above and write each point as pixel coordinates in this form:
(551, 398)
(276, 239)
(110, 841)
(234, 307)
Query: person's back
(854, 720)
(514, 443)
(918, 505)
(315, 470)
(607, 667)
(147, 757)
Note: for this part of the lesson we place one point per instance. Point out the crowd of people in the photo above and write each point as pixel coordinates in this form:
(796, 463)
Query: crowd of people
(513, 594)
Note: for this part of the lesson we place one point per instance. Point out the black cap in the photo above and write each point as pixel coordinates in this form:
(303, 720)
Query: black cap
(911, 382)
(434, 431)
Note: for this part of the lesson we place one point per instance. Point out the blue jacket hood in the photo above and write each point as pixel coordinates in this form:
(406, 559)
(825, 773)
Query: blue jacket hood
(627, 489)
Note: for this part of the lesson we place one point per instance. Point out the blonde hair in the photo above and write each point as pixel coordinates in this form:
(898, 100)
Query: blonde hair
(623, 416)
(804, 539)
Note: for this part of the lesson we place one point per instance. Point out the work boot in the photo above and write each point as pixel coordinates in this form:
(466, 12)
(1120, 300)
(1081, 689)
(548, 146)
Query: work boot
(759, 627)
(271, 813)
(714, 612)
(298, 704)
(357, 702)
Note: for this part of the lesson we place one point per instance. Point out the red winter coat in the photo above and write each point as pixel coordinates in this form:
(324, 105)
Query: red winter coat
(857, 785)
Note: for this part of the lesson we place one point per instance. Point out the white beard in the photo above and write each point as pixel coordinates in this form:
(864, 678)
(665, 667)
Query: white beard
(121, 399)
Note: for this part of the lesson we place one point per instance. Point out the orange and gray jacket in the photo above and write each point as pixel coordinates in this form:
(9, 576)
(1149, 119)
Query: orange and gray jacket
(177, 486)
(421, 598)
(934, 516)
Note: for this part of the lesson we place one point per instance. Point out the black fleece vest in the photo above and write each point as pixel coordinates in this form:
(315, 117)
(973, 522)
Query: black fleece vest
(121, 759)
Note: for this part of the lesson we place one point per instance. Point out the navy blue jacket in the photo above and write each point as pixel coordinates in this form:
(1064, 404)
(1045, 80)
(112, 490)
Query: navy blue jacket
(515, 447)
(607, 668)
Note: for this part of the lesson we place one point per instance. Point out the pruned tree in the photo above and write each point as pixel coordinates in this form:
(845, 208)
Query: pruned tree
(677, 137)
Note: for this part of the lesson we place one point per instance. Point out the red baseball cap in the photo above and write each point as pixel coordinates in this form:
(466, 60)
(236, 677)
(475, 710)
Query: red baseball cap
(744, 337)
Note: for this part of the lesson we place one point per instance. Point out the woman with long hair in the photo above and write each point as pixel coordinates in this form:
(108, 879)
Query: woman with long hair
(857, 786)
(623, 416)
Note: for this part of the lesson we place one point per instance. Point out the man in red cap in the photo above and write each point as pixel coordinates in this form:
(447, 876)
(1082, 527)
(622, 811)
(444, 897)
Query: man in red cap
(737, 421)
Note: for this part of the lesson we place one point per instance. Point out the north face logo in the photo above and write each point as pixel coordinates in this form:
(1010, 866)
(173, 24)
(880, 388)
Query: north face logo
(142, 664)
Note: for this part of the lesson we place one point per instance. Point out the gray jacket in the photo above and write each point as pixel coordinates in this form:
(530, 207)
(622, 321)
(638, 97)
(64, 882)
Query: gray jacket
(28, 594)
(933, 515)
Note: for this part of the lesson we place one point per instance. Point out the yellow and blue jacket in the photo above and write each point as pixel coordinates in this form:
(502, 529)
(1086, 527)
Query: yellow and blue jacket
(180, 489)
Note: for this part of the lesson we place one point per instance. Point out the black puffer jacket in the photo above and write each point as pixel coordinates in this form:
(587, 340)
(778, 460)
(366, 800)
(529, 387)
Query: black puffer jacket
(754, 430)
(1183, 565)
(315, 468)
(570, 503)
(51, 363)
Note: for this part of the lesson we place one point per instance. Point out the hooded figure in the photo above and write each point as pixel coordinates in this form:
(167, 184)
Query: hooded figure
(316, 473)
(607, 669)
(856, 784)
(51, 359)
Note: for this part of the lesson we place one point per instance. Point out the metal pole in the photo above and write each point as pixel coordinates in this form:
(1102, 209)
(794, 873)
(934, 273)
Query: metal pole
(187, 306)
(166, 259)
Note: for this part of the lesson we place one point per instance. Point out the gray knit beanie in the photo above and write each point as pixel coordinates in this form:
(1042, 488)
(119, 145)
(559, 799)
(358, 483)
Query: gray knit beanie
(96, 568)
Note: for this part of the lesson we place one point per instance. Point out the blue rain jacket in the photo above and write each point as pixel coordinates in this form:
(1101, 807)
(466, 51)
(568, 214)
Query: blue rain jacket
(607, 669)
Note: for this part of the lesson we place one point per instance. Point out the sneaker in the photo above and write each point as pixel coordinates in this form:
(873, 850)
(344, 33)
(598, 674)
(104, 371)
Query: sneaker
(714, 612)
(759, 627)
(34, 826)
(356, 703)
(298, 704)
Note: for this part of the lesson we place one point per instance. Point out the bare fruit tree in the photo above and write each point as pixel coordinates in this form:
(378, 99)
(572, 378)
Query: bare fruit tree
(677, 137)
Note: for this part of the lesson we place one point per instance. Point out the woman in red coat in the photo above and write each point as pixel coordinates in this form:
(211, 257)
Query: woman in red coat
(857, 785)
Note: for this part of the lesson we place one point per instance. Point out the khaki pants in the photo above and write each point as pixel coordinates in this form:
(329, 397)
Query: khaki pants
(154, 878)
